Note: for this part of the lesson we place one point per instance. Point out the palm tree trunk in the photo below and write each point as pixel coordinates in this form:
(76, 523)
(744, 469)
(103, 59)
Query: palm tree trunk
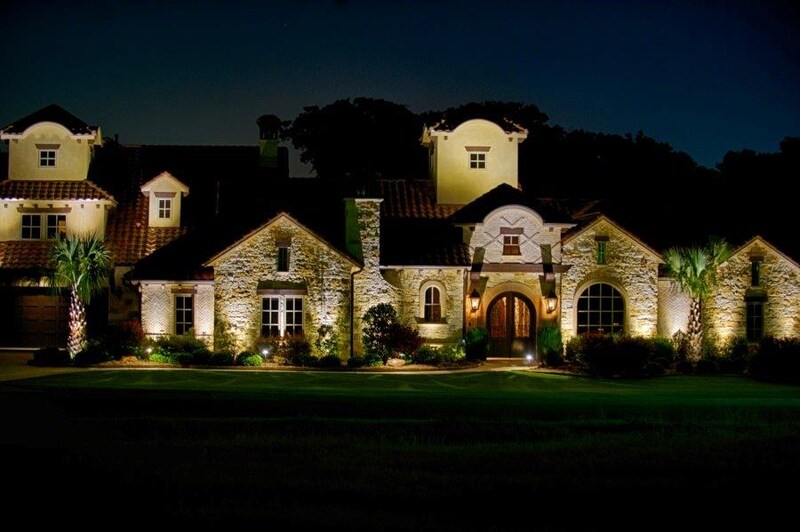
(695, 329)
(76, 341)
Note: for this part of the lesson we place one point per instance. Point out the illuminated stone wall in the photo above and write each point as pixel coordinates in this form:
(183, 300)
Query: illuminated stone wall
(369, 285)
(629, 267)
(724, 313)
(413, 282)
(673, 308)
(324, 271)
(158, 309)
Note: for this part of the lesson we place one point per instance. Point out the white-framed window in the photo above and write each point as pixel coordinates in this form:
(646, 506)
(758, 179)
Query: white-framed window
(56, 225)
(31, 227)
(601, 309)
(164, 209)
(184, 313)
(47, 158)
(477, 160)
(281, 315)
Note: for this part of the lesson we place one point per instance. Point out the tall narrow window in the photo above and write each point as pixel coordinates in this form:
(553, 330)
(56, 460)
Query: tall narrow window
(477, 160)
(184, 313)
(755, 273)
(294, 315)
(31, 226)
(270, 316)
(433, 304)
(601, 252)
(56, 225)
(755, 320)
(511, 245)
(47, 158)
(165, 209)
(283, 259)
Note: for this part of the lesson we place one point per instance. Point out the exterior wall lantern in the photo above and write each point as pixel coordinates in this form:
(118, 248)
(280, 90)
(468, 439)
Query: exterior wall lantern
(551, 301)
(474, 300)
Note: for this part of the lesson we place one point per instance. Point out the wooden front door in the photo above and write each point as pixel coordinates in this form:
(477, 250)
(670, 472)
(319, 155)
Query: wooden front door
(512, 325)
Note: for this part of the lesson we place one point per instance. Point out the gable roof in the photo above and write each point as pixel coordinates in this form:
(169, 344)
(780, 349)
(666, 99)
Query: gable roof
(601, 218)
(51, 113)
(758, 240)
(503, 195)
(17, 189)
(166, 177)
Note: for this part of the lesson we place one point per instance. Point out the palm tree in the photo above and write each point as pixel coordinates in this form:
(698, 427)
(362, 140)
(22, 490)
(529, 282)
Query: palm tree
(81, 263)
(695, 270)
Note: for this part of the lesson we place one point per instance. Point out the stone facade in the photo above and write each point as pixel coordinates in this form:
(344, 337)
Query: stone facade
(630, 266)
(323, 272)
(725, 312)
(412, 283)
(370, 287)
(158, 308)
(673, 308)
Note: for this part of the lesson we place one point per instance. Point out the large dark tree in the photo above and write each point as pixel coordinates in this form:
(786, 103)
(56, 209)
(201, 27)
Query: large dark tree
(364, 138)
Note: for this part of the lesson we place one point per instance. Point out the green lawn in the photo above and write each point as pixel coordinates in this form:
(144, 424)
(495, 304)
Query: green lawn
(366, 451)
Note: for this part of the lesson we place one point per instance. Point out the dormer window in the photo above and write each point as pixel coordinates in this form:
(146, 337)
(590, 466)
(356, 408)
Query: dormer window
(47, 158)
(164, 209)
(511, 240)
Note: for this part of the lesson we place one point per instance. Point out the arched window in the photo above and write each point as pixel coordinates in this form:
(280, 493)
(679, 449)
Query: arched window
(601, 309)
(433, 304)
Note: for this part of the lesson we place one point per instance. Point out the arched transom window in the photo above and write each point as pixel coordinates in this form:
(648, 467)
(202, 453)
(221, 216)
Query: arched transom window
(601, 309)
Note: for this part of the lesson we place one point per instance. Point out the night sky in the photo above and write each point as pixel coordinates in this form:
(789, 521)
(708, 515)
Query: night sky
(706, 77)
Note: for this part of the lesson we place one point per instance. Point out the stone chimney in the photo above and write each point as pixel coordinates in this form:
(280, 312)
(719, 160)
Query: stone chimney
(269, 137)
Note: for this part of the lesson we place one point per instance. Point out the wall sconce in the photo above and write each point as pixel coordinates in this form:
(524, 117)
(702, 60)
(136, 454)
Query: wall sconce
(474, 300)
(550, 302)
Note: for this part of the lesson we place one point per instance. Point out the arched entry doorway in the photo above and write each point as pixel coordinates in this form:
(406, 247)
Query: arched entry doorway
(511, 321)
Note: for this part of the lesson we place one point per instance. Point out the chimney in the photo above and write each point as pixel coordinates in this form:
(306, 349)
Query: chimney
(269, 136)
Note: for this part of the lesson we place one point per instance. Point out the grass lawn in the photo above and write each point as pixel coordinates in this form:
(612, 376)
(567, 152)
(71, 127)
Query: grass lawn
(509, 450)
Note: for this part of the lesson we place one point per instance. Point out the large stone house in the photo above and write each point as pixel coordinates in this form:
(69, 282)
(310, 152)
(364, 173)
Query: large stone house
(218, 241)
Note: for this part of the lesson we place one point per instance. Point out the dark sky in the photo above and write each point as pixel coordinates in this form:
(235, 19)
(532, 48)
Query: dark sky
(707, 77)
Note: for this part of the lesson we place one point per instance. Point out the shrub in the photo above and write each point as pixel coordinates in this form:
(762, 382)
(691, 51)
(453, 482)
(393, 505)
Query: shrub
(435, 356)
(327, 342)
(50, 356)
(123, 339)
(95, 353)
(706, 366)
(624, 356)
(550, 346)
(682, 345)
(663, 350)
(222, 358)
(777, 359)
(355, 362)
(297, 350)
(735, 355)
(181, 348)
(372, 360)
(377, 335)
(404, 340)
(476, 343)
(249, 358)
(572, 349)
(684, 366)
(202, 356)
(330, 361)
(162, 359)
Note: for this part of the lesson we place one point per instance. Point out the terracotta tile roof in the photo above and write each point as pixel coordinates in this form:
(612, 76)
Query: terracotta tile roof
(25, 254)
(411, 199)
(52, 190)
(51, 113)
(504, 194)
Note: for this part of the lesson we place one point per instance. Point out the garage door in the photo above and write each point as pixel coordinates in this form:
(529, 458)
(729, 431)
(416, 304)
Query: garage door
(42, 320)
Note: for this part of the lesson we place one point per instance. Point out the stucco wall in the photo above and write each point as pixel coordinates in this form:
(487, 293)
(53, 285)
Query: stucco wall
(629, 268)
(325, 273)
(412, 282)
(158, 309)
(724, 313)
(85, 217)
(456, 182)
(72, 156)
